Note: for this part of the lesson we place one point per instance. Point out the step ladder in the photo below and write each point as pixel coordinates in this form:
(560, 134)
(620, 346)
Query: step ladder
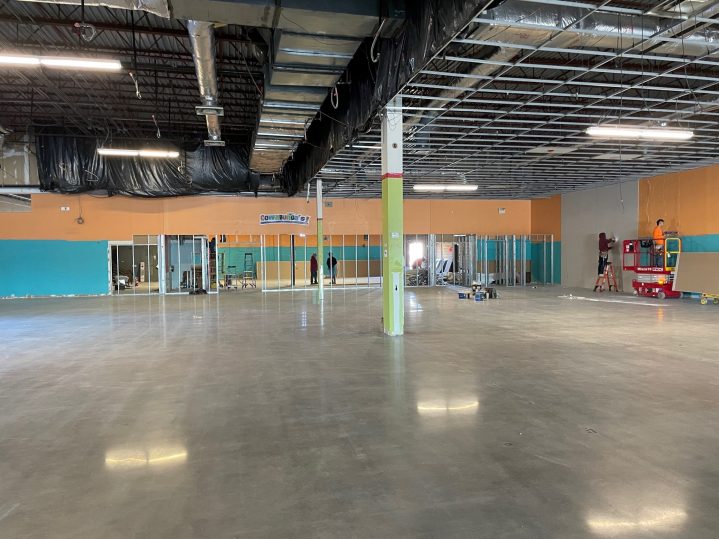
(248, 272)
(606, 279)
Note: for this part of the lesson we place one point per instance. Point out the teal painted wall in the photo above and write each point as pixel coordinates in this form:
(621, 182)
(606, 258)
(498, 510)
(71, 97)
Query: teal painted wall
(538, 262)
(235, 256)
(53, 268)
(701, 244)
(492, 249)
(534, 255)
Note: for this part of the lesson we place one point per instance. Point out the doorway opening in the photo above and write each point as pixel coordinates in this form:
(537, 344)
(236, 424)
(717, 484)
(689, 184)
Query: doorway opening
(135, 266)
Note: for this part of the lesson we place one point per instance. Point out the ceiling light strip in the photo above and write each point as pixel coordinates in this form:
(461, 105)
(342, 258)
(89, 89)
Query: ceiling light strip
(442, 187)
(60, 63)
(639, 133)
(127, 152)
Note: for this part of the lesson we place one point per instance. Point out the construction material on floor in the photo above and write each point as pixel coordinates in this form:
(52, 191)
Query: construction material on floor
(697, 272)
(417, 277)
(477, 292)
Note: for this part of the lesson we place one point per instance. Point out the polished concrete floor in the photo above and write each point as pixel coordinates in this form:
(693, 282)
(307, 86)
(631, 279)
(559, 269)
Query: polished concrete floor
(268, 415)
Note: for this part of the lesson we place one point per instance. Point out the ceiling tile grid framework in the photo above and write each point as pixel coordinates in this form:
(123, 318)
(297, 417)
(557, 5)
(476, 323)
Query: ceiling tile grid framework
(506, 104)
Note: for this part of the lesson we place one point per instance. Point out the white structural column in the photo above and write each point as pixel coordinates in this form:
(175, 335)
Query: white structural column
(320, 244)
(392, 220)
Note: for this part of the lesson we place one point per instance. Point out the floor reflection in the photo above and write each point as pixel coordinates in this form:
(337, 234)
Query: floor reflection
(128, 458)
(441, 407)
(648, 521)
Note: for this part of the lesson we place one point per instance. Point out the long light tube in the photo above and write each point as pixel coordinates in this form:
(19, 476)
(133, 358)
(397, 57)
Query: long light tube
(60, 63)
(441, 187)
(19, 60)
(123, 152)
(162, 154)
(642, 133)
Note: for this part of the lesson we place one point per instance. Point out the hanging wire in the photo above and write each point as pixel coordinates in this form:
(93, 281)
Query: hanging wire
(134, 57)
(80, 219)
(374, 42)
(137, 86)
(686, 73)
(621, 109)
(85, 31)
(158, 134)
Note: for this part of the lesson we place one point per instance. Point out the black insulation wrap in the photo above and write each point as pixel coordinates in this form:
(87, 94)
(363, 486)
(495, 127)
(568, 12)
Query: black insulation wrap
(69, 164)
(429, 25)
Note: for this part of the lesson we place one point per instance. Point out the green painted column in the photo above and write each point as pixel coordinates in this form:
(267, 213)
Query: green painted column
(392, 220)
(320, 243)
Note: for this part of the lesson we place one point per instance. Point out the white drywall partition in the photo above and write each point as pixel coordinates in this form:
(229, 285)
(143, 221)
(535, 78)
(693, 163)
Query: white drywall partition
(585, 214)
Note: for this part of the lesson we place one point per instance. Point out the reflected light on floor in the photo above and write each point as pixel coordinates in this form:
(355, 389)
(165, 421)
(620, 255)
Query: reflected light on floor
(654, 521)
(443, 408)
(414, 305)
(128, 458)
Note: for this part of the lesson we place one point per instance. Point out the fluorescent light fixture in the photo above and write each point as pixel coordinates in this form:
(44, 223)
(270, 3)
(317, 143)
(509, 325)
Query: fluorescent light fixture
(552, 150)
(641, 133)
(442, 187)
(123, 152)
(162, 154)
(56, 62)
(117, 152)
(107, 65)
(19, 60)
(618, 156)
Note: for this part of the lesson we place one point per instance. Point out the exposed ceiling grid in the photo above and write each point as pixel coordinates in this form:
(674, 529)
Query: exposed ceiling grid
(506, 104)
(155, 49)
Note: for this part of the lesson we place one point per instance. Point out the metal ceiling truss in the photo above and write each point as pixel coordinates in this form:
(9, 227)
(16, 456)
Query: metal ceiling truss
(157, 51)
(506, 110)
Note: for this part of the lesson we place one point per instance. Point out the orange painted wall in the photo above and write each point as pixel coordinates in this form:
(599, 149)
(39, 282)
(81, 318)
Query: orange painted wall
(466, 216)
(687, 201)
(547, 216)
(119, 218)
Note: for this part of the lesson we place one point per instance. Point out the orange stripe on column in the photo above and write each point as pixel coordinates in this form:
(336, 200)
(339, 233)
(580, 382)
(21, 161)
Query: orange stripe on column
(392, 175)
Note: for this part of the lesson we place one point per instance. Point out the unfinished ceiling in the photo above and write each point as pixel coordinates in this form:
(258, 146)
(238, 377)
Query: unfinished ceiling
(155, 93)
(265, 66)
(506, 104)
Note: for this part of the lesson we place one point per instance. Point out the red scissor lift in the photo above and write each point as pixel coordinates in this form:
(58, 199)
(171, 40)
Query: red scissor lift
(653, 269)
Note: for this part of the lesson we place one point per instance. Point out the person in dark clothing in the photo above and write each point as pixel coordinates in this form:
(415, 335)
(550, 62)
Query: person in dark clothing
(332, 267)
(604, 246)
(313, 269)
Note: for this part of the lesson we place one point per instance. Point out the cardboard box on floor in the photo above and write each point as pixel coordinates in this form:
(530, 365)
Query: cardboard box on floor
(697, 272)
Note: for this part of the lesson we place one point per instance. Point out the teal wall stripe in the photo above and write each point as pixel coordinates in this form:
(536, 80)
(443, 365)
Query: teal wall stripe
(701, 244)
(235, 256)
(53, 268)
(537, 266)
(534, 253)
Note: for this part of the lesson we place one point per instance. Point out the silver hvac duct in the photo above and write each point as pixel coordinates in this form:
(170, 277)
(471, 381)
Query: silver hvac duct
(526, 22)
(156, 7)
(202, 39)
